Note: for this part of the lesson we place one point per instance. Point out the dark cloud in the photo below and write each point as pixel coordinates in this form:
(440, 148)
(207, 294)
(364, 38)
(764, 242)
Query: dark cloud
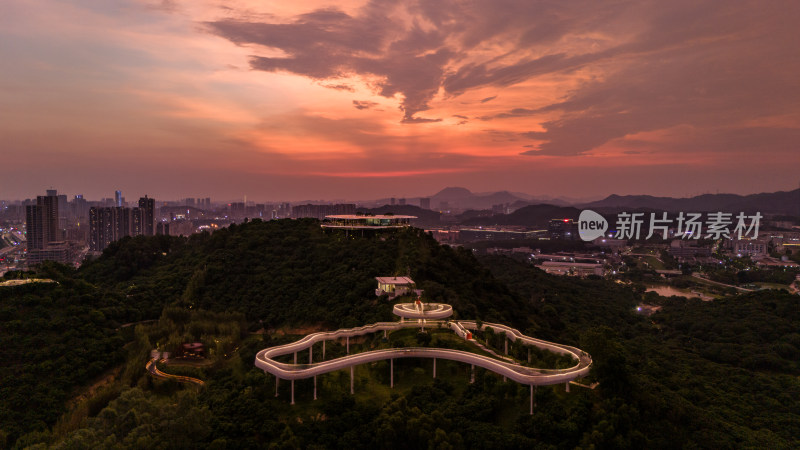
(464, 119)
(516, 112)
(698, 86)
(642, 67)
(364, 104)
(339, 87)
(330, 44)
(419, 120)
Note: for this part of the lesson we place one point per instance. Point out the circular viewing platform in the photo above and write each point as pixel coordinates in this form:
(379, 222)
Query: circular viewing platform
(366, 222)
(433, 311)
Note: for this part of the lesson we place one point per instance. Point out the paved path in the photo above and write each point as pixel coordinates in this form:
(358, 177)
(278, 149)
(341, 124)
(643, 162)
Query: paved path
(525, 375)
(151, 367)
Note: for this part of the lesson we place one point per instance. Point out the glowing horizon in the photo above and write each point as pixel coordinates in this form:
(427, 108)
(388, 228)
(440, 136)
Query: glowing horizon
(373, 99)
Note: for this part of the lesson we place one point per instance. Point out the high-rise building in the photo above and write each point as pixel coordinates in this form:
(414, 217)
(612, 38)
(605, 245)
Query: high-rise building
(401, 201)
(34, 227)
(42, 221)
(162, 228)
(108, 224)
(43, 232)
(94, 226)
(103, 224)
(122, 222)
(79, 207)
(392, 201)
(236, 210)
(62, 205)
(285, 210)
(118, 198)
(425, 203)
(137, 222)
(148, 207)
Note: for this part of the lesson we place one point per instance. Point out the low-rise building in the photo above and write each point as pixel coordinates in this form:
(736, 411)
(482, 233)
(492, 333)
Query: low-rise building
(753, 248)
(683, 249)
(487, 234)
(775, 263)
(444, 236)
(60, 251)
(572, 268)
(609, 242)
(396, 286)
(527, 250)
(563, 229)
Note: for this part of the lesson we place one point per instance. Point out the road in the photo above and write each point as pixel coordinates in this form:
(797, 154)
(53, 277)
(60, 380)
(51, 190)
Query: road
(697, 275)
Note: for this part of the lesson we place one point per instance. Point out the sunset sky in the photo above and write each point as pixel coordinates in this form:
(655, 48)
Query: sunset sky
(291, 100)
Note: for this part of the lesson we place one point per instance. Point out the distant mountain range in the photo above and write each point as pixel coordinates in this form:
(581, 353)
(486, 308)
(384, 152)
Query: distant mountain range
(537, 216)
(537, 211)
(462, 198)
(458, 197)
(781, 202)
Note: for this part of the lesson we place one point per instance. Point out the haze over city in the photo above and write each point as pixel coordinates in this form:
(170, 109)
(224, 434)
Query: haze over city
(359, 100)
(381, 224)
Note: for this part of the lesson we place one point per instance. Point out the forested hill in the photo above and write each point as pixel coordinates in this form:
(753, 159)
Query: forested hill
(292, 272)
(721, 374)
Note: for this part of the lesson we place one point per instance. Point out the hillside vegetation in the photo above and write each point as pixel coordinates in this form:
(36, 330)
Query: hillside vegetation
(721, 374)
(290, 271)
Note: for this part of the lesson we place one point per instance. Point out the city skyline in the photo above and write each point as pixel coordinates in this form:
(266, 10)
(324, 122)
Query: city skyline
(371, 99)
(390, 200)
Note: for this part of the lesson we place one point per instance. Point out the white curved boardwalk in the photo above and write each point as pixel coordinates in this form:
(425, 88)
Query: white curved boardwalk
(431, 315)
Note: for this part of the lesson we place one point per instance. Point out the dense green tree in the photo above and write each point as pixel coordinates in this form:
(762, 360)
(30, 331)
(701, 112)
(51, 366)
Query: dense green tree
(719, 374)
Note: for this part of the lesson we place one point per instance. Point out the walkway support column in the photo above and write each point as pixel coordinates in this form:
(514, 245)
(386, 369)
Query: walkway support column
(323, 350)
(348, 344)
(352, 391)
(472, 374)
(276, 385)
(292, 393)
(391, 373)
(567, 385)
(311, 354)
(295, 357)
(531, 399)
(315, 387)
(434, 367)
(505, 339)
